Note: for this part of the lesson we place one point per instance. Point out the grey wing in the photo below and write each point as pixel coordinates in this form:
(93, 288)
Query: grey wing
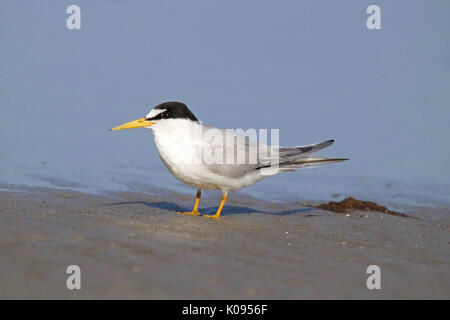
(231, 155)
(294, 153)
(291, 158)
(236, 155)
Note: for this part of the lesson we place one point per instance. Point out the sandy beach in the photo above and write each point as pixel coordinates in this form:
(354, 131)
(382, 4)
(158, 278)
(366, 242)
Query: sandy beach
(133, 245)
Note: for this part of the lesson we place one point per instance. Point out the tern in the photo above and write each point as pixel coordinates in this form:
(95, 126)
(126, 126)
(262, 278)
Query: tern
(233, 162)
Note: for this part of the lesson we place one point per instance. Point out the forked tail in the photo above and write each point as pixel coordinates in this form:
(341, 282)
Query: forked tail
(298, 157)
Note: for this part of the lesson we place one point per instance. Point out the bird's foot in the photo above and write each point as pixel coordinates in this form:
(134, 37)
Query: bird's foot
(192, 213)
(214, 216)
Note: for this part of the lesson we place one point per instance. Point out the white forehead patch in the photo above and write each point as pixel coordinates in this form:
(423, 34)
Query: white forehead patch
(154, 113)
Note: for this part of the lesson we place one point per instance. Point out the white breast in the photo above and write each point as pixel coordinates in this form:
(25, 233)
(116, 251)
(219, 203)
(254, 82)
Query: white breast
(180, 147)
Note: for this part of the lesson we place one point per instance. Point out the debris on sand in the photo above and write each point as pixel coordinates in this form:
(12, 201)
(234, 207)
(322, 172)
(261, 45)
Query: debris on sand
(351, 204)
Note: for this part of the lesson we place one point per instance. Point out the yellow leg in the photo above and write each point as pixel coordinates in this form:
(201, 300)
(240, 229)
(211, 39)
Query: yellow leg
(195, 210)
(222, 203)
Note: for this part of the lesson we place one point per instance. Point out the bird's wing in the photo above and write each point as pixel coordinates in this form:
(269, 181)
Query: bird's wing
(235, 155)
(302, 151)
(230, 154)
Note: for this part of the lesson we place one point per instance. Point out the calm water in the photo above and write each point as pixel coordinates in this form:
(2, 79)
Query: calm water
(310, 68)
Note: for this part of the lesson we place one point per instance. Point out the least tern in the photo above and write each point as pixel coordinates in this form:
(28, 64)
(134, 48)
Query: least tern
(181, 145)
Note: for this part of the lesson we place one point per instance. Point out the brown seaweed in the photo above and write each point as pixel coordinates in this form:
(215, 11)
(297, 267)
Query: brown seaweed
(351, 204)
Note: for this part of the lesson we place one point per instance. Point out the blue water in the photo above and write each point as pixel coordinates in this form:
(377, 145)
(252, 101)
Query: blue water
(309, 68)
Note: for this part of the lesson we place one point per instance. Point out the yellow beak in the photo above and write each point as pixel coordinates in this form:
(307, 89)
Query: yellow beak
(134, 124)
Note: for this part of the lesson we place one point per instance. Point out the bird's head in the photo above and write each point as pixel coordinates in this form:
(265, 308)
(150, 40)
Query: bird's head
(163, 111)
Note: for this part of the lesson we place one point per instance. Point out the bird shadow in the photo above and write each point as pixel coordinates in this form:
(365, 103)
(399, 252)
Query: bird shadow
(227, 210)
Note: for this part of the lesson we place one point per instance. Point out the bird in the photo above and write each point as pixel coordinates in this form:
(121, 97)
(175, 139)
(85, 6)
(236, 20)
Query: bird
(208, 158)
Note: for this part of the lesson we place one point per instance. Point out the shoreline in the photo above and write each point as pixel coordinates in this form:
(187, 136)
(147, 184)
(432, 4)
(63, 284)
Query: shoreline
(133, 245)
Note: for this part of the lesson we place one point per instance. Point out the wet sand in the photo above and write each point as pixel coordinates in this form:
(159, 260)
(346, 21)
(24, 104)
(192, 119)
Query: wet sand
(133, 245)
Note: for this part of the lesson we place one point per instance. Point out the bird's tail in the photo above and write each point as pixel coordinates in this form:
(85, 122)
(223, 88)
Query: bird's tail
(309, 161)
(292, 158)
